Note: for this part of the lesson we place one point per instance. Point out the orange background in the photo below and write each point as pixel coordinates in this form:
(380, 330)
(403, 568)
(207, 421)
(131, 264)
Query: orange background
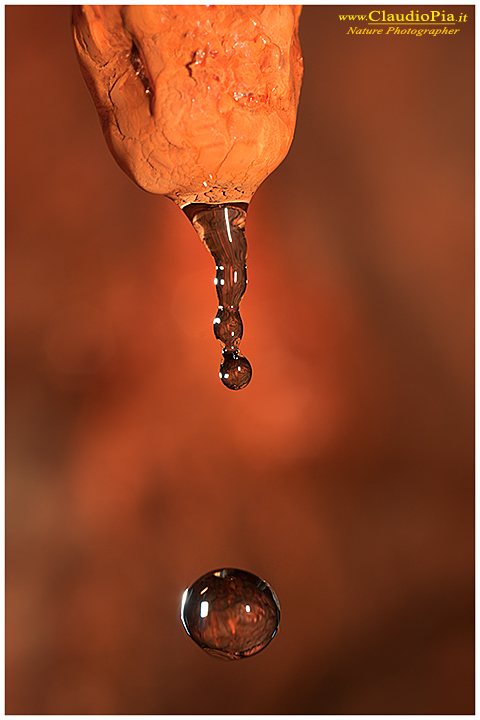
(343, 474)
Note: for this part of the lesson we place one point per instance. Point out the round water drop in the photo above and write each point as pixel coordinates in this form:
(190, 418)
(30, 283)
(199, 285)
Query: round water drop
(235, 371)
(230, 613)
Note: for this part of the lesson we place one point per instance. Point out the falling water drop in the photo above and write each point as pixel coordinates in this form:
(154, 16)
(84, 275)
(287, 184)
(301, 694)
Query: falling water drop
(222, 230)
(230, 613)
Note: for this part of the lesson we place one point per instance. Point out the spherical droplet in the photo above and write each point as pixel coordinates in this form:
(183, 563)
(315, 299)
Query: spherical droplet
(230, 613)
(235, 371)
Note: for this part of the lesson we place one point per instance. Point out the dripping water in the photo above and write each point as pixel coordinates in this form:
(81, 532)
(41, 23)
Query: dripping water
(222, 229)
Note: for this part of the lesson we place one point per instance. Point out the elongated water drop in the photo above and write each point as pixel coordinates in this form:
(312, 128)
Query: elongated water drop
(230, 613)
(222, 230)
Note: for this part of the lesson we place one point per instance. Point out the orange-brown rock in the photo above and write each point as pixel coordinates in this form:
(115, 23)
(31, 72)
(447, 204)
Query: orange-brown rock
(197, 102)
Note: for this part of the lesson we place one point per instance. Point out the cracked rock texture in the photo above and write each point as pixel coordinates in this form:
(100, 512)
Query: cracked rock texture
(197, 102)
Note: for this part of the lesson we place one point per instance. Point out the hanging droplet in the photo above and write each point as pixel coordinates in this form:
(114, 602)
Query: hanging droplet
(222, 229)
(230, 613)
(235, 370)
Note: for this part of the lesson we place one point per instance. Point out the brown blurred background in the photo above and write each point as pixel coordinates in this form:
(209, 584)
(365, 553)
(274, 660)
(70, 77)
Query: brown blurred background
(343, 474)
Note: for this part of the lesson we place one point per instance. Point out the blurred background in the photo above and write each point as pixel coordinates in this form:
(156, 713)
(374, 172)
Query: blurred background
(343, 474)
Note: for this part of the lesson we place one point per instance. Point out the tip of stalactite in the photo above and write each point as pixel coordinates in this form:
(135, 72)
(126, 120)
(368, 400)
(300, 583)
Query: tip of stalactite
(197, 102)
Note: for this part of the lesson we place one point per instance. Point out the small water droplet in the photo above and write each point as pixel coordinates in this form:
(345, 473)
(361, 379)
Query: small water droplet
(230, 613)
(222, 230)
(235, 371)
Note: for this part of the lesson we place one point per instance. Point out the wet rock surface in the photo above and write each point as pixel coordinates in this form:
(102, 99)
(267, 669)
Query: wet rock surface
(197, 102)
